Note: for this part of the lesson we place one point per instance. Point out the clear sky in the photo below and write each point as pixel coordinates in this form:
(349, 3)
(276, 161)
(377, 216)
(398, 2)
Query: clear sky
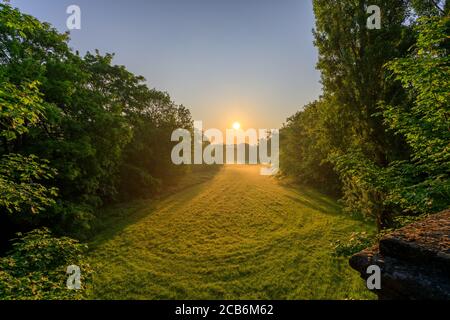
(251, 61)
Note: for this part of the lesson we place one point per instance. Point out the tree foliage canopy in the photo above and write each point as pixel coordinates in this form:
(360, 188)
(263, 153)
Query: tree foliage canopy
(79, 125)
(382, 124)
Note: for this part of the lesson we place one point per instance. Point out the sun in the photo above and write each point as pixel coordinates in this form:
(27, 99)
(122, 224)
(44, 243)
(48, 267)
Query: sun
(236, 125)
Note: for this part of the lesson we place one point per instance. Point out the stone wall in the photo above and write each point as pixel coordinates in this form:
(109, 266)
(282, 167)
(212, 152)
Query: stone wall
(414, 260)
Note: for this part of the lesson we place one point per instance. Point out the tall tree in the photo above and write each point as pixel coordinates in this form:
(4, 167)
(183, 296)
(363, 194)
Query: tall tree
(351, 59)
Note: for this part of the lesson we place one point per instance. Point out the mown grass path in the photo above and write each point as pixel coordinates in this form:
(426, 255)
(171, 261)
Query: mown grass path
(237, 236)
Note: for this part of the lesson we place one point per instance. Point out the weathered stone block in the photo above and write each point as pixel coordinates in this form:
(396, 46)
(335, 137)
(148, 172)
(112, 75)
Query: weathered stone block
(414, 260)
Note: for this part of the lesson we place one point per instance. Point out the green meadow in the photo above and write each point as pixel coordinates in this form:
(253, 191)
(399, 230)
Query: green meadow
(233, 235)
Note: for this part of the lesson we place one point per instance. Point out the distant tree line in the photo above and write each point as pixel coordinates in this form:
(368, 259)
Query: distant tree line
(379, 136)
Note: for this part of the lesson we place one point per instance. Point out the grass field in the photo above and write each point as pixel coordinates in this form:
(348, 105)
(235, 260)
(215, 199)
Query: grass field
(237, 235)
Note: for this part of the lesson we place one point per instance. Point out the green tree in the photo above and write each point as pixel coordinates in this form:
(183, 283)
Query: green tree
(306, 140)
(389, 162)
(99, 125)
(351, 59)
(20, 109)
(422, 183)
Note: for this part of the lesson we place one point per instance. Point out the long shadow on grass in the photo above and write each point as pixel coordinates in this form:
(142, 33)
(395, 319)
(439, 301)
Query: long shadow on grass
(317, 201)
(112, 220)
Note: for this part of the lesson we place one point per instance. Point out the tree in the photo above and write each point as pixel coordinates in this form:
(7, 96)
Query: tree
(422, 183)
(20, 109)
(351, 59)
(306, 140)
(388, 162)
(98, 125)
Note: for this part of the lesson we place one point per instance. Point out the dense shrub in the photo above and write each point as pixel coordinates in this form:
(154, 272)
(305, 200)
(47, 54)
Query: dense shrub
(361, 240)
(36, 267)
(357, 242)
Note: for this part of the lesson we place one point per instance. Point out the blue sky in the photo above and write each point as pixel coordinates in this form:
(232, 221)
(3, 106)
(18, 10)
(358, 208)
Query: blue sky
(251, 61)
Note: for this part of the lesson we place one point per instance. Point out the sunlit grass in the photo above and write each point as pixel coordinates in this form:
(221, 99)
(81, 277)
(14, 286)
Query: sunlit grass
(237, 236)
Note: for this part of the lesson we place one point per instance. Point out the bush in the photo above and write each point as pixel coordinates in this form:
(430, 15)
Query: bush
(35, 269)
(361, 240)
(358, 241)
